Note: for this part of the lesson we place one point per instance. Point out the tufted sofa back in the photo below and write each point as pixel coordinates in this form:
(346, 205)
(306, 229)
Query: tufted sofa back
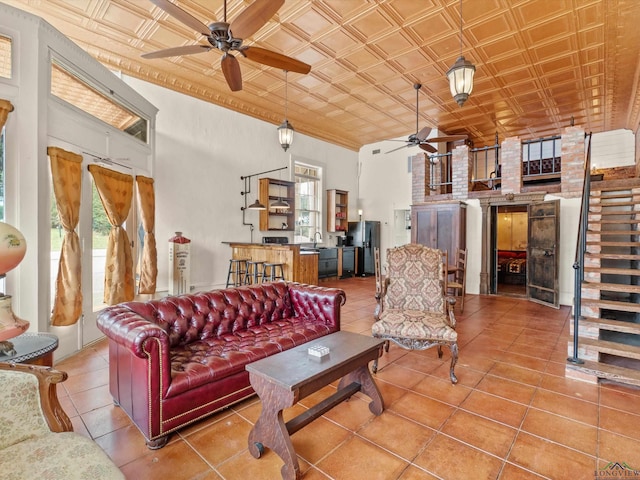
(192, 317)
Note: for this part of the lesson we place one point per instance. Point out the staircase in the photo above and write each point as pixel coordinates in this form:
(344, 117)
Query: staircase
(609, 325)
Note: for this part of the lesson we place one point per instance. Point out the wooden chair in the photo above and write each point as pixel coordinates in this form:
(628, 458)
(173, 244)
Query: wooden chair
(37, 440)
(458, 284)
(411, 309)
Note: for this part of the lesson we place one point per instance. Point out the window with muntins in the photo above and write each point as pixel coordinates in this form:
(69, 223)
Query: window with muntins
(76, 91)
(308, 180)
(5, 56)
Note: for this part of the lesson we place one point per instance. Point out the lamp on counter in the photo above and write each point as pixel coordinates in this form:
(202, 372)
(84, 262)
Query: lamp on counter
(12, 250)
(285, 130)
(461, 74)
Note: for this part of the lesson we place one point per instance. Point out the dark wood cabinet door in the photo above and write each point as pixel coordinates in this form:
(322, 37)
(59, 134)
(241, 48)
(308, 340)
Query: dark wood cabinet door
(542, 254)
(440, 225)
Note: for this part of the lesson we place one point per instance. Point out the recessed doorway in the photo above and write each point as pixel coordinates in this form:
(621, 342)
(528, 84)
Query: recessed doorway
(511, 235)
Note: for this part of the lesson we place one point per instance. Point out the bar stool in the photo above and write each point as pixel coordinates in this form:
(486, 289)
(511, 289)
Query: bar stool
(255, 269)
(237, 270)
(272, 271)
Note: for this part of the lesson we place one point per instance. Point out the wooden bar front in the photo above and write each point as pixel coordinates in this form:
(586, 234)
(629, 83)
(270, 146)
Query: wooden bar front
(298, 266)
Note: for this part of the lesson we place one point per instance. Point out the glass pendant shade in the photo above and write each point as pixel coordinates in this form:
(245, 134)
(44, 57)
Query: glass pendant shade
(285, 134)
(461, 79)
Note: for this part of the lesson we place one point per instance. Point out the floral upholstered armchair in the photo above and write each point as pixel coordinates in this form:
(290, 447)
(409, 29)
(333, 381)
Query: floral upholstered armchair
(412, 310)
(36, 436)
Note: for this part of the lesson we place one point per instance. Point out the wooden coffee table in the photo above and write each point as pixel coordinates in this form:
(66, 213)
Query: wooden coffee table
(283, 379)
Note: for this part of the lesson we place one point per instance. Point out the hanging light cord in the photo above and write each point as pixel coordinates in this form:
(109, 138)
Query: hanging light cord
(286, 97)
(460, 27)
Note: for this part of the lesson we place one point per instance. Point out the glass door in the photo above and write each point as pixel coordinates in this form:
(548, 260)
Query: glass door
(93, 232)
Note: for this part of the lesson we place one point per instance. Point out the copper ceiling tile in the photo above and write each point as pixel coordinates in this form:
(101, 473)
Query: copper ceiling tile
(541, 54)
(372, 25)
(394, 44)
(120, 19)
(311, 22)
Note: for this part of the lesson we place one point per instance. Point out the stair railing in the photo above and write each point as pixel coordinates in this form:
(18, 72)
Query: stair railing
(581, 248)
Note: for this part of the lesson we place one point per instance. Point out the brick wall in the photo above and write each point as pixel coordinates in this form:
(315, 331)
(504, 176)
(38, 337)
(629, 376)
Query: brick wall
(511, 165)
(419, 172)
(572, 162)
(461, 168)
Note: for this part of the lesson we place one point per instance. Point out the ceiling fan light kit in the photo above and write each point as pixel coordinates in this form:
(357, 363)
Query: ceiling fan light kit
(461, 74)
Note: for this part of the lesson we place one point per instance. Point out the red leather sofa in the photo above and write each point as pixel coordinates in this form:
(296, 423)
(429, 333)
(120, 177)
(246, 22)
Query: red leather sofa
(179, 359)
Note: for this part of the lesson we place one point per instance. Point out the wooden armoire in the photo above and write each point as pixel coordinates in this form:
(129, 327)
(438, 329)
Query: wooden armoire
(440, 225)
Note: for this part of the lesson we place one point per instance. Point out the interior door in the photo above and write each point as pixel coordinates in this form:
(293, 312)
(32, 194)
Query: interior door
(542, 253)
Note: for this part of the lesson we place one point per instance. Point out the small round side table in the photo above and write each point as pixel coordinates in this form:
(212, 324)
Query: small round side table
(33, 348)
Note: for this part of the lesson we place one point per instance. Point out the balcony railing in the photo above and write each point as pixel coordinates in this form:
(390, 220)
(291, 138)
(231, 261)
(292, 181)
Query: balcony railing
(486, 167)
(440, 181)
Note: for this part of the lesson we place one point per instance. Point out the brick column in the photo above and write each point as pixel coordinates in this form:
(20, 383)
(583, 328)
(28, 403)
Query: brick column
(460, 172)
(419, 174)
(572, 161)
(511, 161)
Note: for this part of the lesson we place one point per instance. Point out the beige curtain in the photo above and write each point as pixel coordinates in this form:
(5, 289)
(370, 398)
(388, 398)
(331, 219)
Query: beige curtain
(149, 262)
(5, 108)
(116, 192)
(66, 173)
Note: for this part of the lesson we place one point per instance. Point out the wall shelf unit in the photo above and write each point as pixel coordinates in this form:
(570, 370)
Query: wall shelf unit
(337, 211)
(272, 190)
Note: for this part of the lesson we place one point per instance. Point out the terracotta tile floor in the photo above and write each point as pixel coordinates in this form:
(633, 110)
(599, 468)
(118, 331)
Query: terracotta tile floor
(513, 414)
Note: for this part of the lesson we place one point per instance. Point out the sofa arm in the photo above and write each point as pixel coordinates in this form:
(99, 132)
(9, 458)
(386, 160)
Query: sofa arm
(321, 303)
(131, 330)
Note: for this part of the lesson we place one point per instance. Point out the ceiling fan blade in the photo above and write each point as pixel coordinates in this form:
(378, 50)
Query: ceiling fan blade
(252, 18)
(232, 73)
(423, 134)
(273, 59)
(179, 14)
(428, 148)
(448, 138)
(395, 149)
(175, 51)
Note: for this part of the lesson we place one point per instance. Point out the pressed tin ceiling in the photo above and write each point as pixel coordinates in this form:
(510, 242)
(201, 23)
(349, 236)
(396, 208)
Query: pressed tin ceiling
(539, 64)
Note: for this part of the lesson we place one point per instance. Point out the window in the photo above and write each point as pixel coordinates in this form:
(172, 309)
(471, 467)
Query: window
(5, 57)
(2, 170)
(308, 180)
(541, 149)
(78, 93)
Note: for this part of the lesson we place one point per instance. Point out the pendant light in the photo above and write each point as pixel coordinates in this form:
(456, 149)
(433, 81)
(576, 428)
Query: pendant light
(461, 74)
(285, 130)
(280, 204)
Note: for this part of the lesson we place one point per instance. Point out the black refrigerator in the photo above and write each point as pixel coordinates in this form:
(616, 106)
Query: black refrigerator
(365, 236)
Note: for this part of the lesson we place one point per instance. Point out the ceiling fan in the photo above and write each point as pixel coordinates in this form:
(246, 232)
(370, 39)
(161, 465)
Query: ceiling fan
(228, 37)
(420, 137)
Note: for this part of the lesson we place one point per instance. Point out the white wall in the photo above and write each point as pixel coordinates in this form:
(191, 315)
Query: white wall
(614, 148)
(202, 150)
(385, 186)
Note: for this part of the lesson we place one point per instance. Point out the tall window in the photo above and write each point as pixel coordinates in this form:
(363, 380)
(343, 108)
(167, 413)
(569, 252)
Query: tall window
(308, 180)
(5, 57)
(2, 170)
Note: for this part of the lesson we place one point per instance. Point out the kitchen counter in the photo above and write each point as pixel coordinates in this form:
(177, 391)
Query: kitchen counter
(299, 266)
